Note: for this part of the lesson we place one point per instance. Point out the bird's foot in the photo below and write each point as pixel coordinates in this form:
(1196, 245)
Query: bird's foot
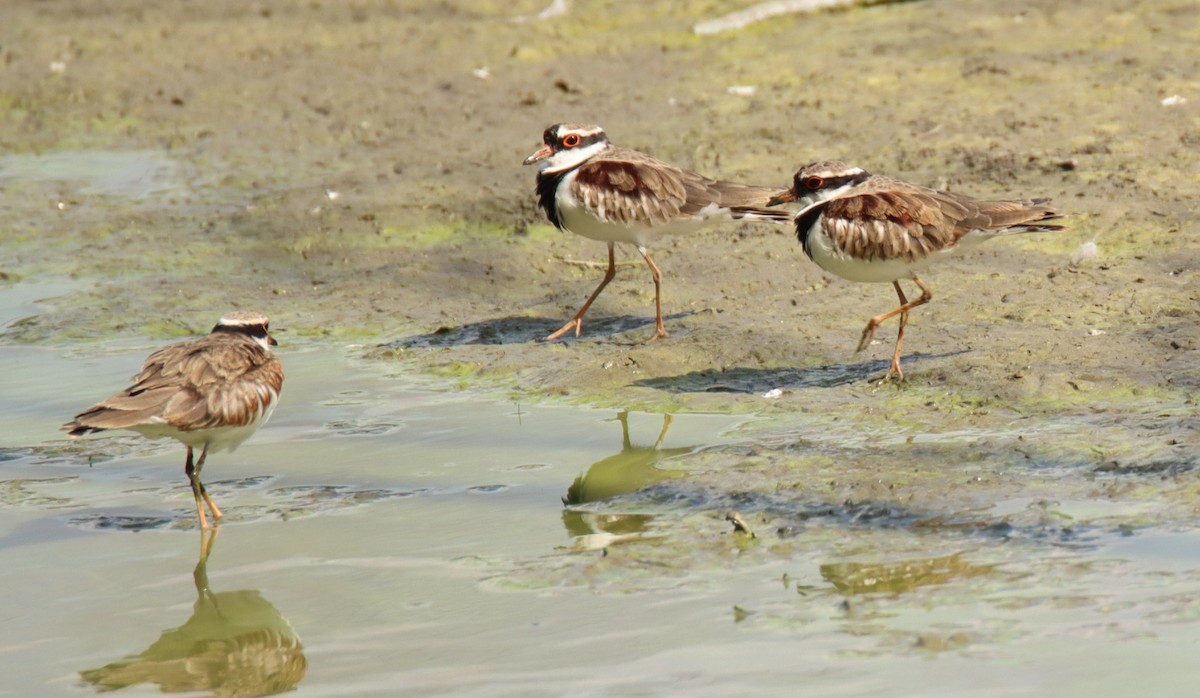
(893, 370)
(868, 335)
(575, 323)
(659, 333)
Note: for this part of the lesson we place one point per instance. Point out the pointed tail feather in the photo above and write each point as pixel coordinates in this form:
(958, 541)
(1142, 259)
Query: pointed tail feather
(753, 213)
(77, 430)
(1004, 217)
(1035, 229)
(104, 418)
(1039, 213)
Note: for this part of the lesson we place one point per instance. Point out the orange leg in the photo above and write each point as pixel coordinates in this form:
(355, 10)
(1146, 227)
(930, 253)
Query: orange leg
(659, 330)
(905, 306)
(895, 366)
(207, 538)
(577, 322)
(662, 436)
(198, 491)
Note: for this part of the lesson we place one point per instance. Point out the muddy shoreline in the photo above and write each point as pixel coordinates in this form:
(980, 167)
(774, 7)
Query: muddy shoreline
(355, 173)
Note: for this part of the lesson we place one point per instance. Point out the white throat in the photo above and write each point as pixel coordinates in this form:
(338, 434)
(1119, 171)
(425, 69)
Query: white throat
(819, 197)
(569, 159)
(826, 194)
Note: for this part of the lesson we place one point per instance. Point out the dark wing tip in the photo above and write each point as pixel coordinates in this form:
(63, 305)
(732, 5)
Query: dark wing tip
(76, 429)
(1048, 213)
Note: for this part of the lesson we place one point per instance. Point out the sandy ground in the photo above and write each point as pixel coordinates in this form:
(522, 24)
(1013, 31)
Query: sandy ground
(353, 169)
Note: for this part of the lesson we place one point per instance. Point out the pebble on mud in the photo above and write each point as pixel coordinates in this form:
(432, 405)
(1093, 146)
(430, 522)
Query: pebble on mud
(1084, 252)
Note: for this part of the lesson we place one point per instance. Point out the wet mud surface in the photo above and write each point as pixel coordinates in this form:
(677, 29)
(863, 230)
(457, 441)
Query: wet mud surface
(353, 170)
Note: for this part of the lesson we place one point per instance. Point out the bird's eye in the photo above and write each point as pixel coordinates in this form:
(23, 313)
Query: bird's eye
(570, 140)
(813, 183)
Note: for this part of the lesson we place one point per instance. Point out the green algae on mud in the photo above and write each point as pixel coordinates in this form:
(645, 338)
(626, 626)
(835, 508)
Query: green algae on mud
(391, 227)
(381, 261)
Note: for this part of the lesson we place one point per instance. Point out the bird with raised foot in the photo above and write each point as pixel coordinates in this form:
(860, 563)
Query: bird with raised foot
(603, 192)
(867, 227)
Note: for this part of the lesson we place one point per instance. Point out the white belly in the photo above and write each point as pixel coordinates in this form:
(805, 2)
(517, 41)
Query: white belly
(831, 258)
(580, 221)
(214, 440)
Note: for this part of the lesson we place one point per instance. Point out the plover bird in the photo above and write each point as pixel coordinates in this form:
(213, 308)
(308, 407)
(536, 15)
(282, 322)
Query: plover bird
(592, 188)
(874, 228)
(210, 393)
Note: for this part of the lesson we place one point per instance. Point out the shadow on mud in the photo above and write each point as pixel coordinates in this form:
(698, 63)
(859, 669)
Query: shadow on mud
(517, 329)
(776, 510)
(761, 380)
(780, 516)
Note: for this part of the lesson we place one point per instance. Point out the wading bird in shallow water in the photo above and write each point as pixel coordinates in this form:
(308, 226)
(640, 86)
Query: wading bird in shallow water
(210, 393)
(865, 227)
(603, 192)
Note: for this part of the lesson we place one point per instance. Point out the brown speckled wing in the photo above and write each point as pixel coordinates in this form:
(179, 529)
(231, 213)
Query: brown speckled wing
(630, 190)
(625, 186)
(889, 219)
(214, 381)
(226, 383)
(1004, 215)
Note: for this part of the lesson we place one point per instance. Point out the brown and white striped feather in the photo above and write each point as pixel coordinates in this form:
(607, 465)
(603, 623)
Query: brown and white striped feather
(214, 382)
(627, 187)
(887, 219)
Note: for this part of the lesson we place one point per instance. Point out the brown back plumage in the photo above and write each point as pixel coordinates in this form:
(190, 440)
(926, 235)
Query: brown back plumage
(885, 218)
(221, 380)
(631, 187)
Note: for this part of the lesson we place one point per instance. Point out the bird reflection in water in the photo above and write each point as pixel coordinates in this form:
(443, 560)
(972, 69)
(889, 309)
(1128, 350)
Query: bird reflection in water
(235, 644)
(901, 575)
(628, 470)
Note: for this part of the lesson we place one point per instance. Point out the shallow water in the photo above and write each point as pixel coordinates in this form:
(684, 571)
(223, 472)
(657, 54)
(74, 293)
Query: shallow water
(132, 175)
(385, 538)
(370, 509)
